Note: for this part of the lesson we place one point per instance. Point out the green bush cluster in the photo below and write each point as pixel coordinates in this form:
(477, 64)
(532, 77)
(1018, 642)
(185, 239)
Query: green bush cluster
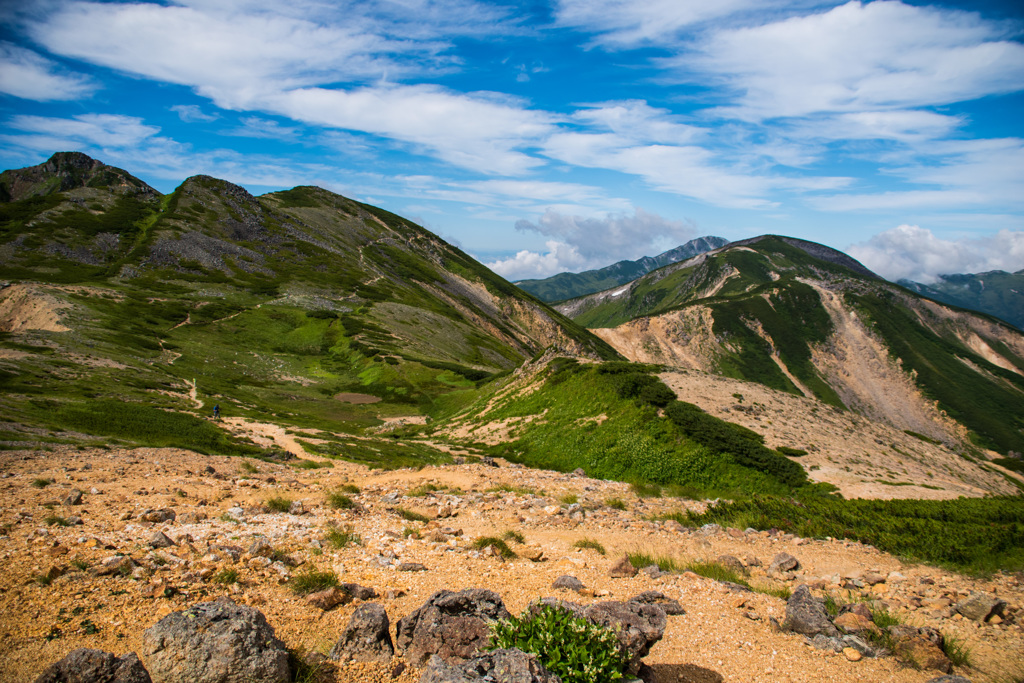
(574, 649)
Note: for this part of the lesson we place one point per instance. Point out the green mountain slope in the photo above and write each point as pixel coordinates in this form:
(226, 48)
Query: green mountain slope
(809, 320)
(275, 306)
(997, 293)
(569, 285)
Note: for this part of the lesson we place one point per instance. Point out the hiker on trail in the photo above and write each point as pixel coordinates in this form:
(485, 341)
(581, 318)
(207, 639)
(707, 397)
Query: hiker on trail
(216, 412)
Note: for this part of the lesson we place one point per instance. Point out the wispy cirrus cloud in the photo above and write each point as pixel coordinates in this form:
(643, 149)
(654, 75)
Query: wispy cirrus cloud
(29, 75)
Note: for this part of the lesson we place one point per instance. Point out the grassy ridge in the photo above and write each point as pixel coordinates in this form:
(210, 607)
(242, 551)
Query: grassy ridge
(604, 419)
(968, 534)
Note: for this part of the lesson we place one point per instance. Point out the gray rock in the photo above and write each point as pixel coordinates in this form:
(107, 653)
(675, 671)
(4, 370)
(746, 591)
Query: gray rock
(215, 642)
(806, 615)
(732, 562)
(622, 569)
(489, 461)
(507, 666)
(652, 571)
(296, 508)
(329, 598)
(452, 625)
(159, 539)
(568, 582)
(366, 638)
(638, 626)
(710, 530)
(950, 679)
(360, 592)
(668, 605)
(411, 567)
(980, 606)
(74, 498)
(783, 562)
(95, 666)
(261, 547)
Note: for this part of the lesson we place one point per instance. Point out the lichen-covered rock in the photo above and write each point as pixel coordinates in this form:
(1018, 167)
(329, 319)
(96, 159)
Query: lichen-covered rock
(95, 666)
(668, 605)
(507, 666)
(980, 606)
(623, 569)
(806, 615)
(783, 562)
(568, 583)
(638, 626)
(214, 642)
(454, 626)
(366, 638)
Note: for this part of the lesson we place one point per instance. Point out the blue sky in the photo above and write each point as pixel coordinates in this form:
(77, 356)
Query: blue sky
(561, 135)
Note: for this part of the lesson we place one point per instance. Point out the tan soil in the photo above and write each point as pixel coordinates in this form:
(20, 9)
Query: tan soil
(714, 641)
(847, 450)
(30, 307)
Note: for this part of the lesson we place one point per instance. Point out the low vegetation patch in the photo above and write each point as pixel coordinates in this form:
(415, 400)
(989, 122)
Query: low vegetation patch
(570, 647)
(278, 504)
(340, 501)
(665, 563)
(341, 537)
(312, 580)
(979, 535)
(225, 576)
(716, 571)
(411, 515)
(497, 543)
(513, 535)
(615, 503)
(41, 483)
(589, 544)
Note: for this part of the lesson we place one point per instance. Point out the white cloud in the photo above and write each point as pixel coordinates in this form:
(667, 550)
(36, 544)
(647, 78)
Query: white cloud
(915, 253)
(859, 58)
(30, 76)
(191, 113)
(256, 127)
(526, 264)
(627, 23)
(100, 130)
(581, 243)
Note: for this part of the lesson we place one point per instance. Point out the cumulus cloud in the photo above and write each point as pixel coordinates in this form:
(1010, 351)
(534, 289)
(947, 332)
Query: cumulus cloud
(915, 253)
(30, 76)
(859, 57)
(582, 243)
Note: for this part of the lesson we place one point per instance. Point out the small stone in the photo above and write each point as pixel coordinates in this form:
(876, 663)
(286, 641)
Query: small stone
(329, 598)
(297, 508)
(411, 567)
(622, 569)
(159, 539)
(783, 562)
(532, 554)
(852, 654)
(568, 583)
(74, 498)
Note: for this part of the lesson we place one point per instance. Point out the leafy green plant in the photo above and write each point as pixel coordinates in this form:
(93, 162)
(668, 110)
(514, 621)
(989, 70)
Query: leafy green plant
(278, 504)
(342, 537)
(589, 544)
(311, 580)
(570, 647)
(411, 516)
(225, 576)
(513, 535)
(499, 545)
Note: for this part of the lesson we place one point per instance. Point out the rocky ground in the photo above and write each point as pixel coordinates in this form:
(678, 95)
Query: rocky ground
(66, 587)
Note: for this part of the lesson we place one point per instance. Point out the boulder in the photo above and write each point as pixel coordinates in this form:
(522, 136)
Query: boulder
(733, 563)
(622, 569)
(783, 562)
(159, 539)
(449, 624)
(95, 666)
(806, 615)
(638, 626)
(669, 606)
(980, 606)
(74, 498)
(366, 638)
(360, 592)
(158, 516)
(922, 647)
(568, 582)
(508, 666)
(215, 642)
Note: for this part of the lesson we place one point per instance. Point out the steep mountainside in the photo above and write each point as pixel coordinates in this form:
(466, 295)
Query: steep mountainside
(806, 319)
(996, 292)
(301, 303)
(569, 285)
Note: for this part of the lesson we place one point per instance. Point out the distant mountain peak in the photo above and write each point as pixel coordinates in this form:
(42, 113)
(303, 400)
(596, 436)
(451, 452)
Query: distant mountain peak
(65, 171)
(571, 285)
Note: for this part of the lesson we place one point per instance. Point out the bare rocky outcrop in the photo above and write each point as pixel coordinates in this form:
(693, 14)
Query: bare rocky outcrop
(366, 638)
(806, 615)
(638, 626)
(215, 642)
(451, 625)
(508, 666)
(85, 665)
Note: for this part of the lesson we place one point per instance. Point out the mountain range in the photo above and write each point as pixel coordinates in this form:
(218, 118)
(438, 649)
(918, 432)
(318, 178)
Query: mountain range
(128, 314)
(570, 285)
(996, 292)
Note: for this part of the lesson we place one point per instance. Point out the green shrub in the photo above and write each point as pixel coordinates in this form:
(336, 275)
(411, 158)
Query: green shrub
(411, 516)
(278, 504)
(499, 545)
(342, 537)
(349, 488)
(791, 452)
(570, 647)
(339, 501)
(589, 544)
(312, 580)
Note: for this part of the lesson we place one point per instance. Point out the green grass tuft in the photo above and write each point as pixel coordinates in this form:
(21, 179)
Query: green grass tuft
(411, 516)
(513, 535)
(341, 537)
(615, 503)
(225, 576)
(41, 483)
(340, 501)
(499, 545)
(665, 563)
(312, 580)
(590, 544)
(278, 504)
